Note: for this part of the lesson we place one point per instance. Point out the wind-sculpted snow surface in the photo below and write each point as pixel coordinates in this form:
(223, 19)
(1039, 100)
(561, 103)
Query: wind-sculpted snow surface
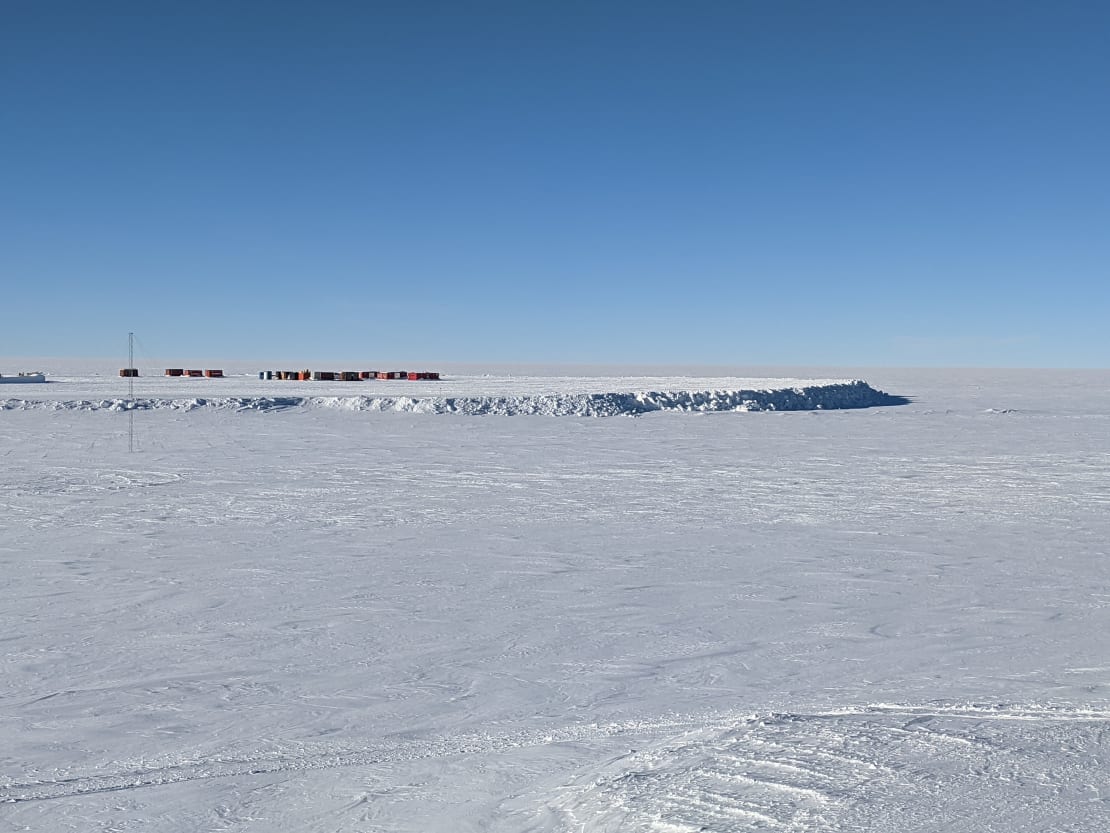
(883, 769)
(856, 394)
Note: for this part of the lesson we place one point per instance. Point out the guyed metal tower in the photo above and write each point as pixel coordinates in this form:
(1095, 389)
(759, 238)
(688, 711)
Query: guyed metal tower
(130, 393)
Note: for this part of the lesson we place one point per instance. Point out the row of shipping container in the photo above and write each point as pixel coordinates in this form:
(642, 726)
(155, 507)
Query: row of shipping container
(211, 374)
(302, 375)
(133, 372)
(345, 375)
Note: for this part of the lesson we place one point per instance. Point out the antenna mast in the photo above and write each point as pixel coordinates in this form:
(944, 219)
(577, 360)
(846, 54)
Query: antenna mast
(130, 394)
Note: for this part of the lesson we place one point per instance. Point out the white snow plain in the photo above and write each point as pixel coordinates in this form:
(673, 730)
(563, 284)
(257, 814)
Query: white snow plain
(325, 619)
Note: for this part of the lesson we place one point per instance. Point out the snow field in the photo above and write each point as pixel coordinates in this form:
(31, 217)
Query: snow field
(318, 619)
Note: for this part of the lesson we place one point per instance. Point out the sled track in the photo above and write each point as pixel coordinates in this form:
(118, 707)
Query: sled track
(718, 772)
(333, 757)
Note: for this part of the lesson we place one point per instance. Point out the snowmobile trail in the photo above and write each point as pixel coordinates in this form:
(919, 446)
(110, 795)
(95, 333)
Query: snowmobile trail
(318, 756)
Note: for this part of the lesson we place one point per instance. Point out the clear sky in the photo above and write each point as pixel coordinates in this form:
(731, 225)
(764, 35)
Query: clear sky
(774, 182)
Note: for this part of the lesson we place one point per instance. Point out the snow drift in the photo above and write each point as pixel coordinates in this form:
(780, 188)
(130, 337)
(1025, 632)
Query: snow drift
(853, 394)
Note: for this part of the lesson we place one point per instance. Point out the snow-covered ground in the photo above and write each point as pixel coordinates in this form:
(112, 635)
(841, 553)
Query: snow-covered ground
(324, 619)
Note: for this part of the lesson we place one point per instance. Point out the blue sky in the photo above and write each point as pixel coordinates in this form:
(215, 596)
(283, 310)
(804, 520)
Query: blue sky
(701, 182)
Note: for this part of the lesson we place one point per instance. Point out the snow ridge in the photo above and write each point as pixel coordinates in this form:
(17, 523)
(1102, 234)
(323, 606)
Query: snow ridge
(854, 394)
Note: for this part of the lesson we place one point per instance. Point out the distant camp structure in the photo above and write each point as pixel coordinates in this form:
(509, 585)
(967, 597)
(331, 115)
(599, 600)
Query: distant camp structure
(289, 375)
(210, 374)
(347, 375)
(23, 378)
(133, 373)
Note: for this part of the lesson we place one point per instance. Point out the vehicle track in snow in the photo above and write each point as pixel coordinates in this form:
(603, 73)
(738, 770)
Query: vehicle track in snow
(316, 756)
(716, 772)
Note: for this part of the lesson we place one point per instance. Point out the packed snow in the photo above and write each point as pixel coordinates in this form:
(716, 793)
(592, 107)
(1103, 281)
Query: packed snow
(337, 617)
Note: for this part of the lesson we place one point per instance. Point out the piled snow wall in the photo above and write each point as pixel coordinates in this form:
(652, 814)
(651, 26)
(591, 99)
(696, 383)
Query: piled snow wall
(854, 394)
